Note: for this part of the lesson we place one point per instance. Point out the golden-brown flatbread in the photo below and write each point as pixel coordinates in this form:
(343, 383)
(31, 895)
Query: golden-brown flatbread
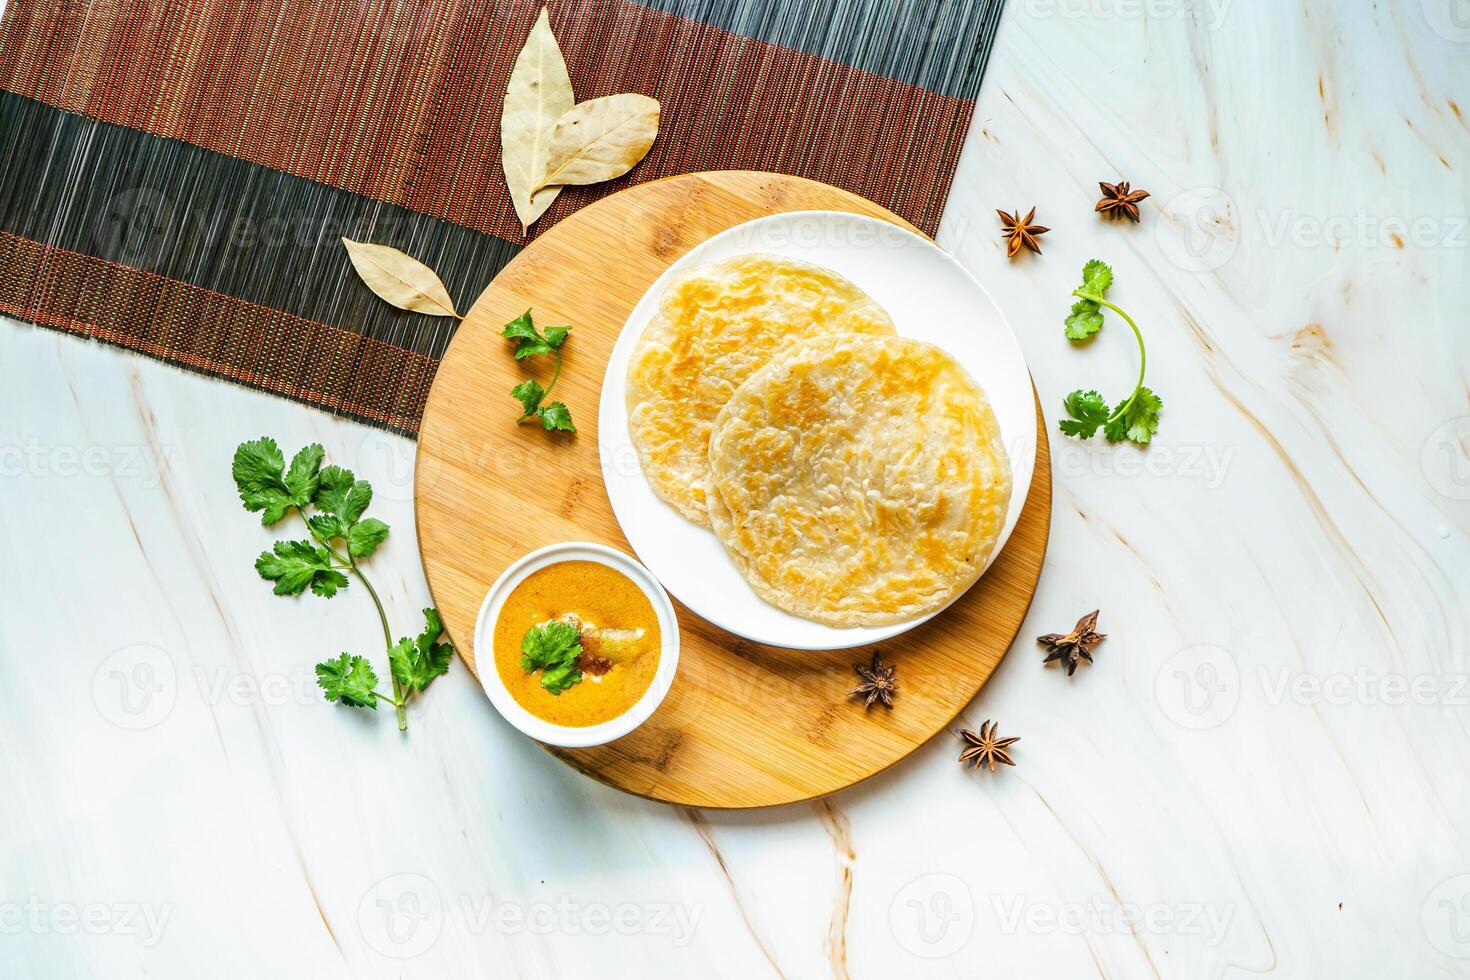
(715, 327)
(859, 480)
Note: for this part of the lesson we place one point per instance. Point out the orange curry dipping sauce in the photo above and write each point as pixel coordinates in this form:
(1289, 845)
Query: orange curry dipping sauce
(618, 626)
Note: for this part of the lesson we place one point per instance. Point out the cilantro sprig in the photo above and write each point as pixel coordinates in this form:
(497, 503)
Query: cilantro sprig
(413, 663)
(553, 649)
(331, 501)
(1136, 418)
(530, 342)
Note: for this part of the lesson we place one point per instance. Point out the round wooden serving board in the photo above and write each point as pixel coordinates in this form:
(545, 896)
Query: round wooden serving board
(744, 725)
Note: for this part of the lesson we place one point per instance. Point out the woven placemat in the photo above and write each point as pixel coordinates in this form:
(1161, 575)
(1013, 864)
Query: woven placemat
(174, 178)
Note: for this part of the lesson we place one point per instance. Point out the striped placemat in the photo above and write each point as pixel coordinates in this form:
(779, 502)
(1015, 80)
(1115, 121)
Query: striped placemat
(175, 177)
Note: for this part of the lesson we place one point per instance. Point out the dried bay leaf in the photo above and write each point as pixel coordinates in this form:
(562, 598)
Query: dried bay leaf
(400, 279)
(538, 94)
(601, 139)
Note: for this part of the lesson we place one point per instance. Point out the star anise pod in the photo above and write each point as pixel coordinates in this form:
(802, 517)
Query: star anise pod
(1074, 646)
(985, 748)
(877, 684)
(1021, 232)
(1119, 201)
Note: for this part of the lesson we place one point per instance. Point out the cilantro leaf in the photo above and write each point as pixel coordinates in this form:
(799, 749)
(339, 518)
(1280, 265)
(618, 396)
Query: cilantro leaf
(1097, 276)
(529, 341)
(556, 336)
(294, 565)
(529, 393)
(558, 679)
(530, 348)
(257, 469)
(401, 661)
(343, 495)
(258, 463)
(549, 644)
(1088, 411)
(415, 663)
(326, 526)
(1085, 320)
(1139, 421)
(553, 649)
(1086, 317)
(364, 537)
(348, 679)
(521, 328)
(303, 474)
(342, 498)
(556, 416)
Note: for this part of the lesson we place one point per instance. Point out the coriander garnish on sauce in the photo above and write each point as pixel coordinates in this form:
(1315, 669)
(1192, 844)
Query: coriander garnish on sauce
(553, 648)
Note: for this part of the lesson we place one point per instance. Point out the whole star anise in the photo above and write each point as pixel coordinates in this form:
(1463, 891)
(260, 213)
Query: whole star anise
(1020, 232)
(1118, 201)
(878, 685)
(1074, 646)
(985, 748)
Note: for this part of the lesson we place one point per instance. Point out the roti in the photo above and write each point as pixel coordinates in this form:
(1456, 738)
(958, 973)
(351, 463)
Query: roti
(716, 326)
(859, 480)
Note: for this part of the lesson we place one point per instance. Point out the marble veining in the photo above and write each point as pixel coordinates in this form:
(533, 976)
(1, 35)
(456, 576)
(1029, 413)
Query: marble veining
(1262, 774)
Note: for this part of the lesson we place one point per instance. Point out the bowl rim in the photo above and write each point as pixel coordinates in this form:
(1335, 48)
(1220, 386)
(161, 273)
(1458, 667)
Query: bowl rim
(494, 686)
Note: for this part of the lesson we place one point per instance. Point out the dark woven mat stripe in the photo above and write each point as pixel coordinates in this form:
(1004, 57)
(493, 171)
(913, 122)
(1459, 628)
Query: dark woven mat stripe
(940, 45)
(226, 225)
(215, 334)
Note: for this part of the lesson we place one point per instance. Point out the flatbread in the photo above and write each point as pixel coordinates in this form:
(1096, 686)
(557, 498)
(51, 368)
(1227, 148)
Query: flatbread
(859, 481)
(715, 327)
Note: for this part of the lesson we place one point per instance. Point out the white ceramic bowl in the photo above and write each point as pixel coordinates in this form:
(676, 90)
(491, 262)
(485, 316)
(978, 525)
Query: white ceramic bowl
(500, 696)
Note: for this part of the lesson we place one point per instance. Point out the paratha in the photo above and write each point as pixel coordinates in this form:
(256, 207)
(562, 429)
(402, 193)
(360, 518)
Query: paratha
(859, 481)
(716, 325)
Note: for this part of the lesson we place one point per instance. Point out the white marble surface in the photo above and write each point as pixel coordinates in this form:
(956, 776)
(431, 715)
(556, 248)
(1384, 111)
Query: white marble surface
(1263, 774)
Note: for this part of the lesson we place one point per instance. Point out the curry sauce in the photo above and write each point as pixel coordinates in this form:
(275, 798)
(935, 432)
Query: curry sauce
(619, 629)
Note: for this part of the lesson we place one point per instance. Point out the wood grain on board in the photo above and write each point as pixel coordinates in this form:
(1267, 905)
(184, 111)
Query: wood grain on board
(744, 725)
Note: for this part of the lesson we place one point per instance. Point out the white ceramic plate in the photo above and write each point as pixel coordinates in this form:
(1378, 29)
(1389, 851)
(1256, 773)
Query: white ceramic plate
(930, 297)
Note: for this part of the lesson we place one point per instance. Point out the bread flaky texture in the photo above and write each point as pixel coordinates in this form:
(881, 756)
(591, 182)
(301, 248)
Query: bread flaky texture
(715, 327)
(859, 480)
